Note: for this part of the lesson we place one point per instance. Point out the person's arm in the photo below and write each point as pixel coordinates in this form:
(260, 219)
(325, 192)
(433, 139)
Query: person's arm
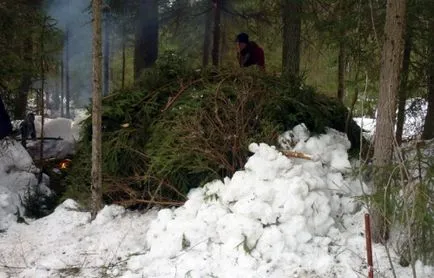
(245, 59)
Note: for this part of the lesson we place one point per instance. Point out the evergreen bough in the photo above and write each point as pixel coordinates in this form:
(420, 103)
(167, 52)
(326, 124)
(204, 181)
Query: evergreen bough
(179, 128)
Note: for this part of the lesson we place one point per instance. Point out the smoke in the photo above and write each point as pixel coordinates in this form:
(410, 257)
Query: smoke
(74, 19)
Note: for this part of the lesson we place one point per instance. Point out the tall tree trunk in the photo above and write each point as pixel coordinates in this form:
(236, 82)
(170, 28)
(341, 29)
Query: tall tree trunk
(62, 88)
(207, 38)
(42, 69)
(146, 43)
(291, 17)
(56, 93)
(96, 109)
(106, 52)
(216, 33)
(402, 97)
(428, 130)
(26, 81)
(223, 46)
(67, 74)
(341, 71)
(38, 102)
(223, 30)
(124, 46)
(123, 63)
(389, 83)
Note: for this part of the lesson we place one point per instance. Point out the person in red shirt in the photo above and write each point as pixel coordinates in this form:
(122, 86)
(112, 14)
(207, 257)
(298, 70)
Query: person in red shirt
(249, 53)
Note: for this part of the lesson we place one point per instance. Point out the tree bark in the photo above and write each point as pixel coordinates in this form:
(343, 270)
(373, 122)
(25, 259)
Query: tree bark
(223, 31)
(428, 130)
(56, 93)
(402, 98)
(42, 69)
(341, 71)
(391, 56)
(123, 63)
(67, 75)
(223, 45)
(62, 88)
(207, 38)
(124, 46)
(146, 44)
(106, 54)
(291, 17)
(96, 109)
(216, 33)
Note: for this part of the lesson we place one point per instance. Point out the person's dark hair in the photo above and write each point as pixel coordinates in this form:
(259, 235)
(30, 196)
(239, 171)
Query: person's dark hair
(242, 37)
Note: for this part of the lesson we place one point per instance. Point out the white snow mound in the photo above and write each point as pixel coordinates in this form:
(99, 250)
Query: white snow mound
(272, 219)
(279, 217)
(18, 176)
(62, 128)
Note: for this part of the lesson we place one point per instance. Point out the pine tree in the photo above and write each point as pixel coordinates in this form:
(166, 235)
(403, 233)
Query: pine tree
(291, 16)
(392, 55)
(146, 42)
(216, 33)
(428, 131)
(96, 110)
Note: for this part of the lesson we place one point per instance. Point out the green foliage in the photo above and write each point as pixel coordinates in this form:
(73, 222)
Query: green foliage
(37, 204)
(406, 202)
(21, 26)
(179, 128)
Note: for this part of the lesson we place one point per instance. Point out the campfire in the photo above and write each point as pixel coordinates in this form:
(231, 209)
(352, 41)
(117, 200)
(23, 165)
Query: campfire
(64, 164)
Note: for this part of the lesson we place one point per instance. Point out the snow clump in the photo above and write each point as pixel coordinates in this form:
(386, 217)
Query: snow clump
(272, 219)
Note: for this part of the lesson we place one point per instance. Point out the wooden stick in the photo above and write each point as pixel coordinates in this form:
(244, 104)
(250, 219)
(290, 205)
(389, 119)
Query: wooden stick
(183, 88)
(141, 201)
(294, 154)
(45, 138)
(369, 246)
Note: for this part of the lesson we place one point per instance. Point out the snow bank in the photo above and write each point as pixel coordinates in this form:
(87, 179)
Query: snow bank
(66, 244)
(273, 219)
(278, 218)
(416, 109)
(66, 129)
(18, 175)
(58, 127)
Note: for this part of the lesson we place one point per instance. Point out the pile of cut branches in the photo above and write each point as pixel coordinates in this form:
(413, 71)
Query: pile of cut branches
(179, 128)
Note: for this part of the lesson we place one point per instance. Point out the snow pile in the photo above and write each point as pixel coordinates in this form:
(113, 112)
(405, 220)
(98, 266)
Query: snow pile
(65, 129)
(276, 218)
(279, 217)
(66, 244)
(18, 177)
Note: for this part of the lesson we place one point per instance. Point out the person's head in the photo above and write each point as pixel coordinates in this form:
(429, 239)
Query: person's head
(242, 40)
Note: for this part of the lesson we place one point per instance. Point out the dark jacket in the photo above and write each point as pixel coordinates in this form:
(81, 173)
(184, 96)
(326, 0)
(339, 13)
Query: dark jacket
(5, 121)
(252, 54)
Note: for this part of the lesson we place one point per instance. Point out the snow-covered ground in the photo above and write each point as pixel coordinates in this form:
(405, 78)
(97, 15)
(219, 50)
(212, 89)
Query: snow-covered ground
(18, 178)
(278, 217)
(19, 175)
(416, 109)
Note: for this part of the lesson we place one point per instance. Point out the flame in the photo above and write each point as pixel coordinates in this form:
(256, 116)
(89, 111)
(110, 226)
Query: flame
(64, 164)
